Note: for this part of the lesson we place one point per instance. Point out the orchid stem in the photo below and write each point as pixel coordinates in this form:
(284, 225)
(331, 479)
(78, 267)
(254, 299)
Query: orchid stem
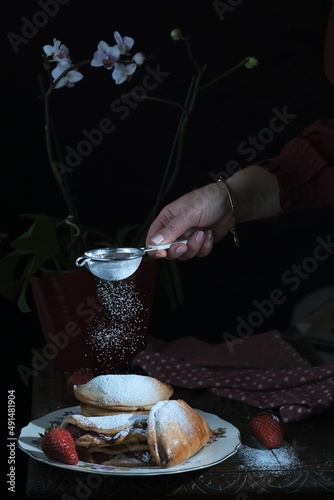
(225, 74)
(177, 146)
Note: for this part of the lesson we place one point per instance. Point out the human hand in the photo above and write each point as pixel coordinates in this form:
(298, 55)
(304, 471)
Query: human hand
(205, 215)
(202, 216)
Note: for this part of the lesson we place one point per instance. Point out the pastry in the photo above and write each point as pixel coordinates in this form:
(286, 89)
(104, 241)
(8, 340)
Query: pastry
(109, 394)
(169, 434)
(110, 440)
(175, 432)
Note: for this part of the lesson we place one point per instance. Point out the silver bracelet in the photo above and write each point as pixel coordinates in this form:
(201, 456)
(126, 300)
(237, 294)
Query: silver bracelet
(233, 230)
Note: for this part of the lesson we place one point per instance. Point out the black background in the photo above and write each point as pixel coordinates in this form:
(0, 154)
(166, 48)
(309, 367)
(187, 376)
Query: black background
(118, 182)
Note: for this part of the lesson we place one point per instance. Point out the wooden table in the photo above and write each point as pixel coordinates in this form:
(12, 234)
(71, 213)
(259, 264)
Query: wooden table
(243, 476)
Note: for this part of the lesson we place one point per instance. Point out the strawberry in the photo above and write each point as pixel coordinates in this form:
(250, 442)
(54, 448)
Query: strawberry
(268, 429)
(58, 444)
(77, 378)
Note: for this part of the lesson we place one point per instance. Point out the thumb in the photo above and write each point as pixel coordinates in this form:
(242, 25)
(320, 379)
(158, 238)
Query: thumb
(160, 235)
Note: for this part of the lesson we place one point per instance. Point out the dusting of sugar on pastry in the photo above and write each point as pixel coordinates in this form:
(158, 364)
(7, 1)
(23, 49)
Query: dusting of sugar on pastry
(122, 390)
(171, 413)
(121, 421)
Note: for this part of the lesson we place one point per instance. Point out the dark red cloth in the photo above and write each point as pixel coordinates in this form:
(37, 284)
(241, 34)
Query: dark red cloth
(305, 169)
(262, 370)
(305, 166)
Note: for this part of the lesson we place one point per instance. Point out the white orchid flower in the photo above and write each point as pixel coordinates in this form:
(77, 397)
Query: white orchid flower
(58, 51)
(69, 79)
(105, 55)
(122, 72)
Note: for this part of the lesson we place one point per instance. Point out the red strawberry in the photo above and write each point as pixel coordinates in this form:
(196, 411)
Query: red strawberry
(58, 444)
(77, 378)
(268, 429)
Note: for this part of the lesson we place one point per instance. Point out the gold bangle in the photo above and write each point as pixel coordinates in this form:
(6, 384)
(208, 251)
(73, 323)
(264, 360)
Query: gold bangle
(233, 230)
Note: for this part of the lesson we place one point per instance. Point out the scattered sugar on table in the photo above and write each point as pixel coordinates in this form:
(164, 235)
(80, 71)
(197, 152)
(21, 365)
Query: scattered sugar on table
(278, 461)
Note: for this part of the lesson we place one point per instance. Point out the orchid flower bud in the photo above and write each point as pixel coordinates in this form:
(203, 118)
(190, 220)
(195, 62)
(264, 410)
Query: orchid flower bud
(139, 58)
(176, 34)
(251, 62)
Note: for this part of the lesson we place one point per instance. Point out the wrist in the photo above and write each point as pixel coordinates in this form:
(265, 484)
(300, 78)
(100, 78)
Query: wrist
(255, 194)
(229, 205)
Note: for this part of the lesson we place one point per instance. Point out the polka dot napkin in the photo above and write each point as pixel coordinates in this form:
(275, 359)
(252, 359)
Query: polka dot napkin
(263, 370)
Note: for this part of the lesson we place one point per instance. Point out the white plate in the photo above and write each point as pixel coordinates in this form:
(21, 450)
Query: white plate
(224, 442)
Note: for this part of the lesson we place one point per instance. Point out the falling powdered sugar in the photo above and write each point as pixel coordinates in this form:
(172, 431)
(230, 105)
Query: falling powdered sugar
(117, 332)
(120, 299)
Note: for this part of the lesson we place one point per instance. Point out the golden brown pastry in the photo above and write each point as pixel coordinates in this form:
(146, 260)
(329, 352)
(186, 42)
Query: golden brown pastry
(95, 411)
(108, 394)
(175, 432)
(110, 440)
(169, 434)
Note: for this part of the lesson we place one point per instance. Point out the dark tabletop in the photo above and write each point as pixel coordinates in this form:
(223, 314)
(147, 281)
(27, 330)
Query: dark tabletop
(304, 466)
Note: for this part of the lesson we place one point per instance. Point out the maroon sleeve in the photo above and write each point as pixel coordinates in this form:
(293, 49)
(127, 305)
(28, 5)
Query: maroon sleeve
(305, 166)
(305, 169)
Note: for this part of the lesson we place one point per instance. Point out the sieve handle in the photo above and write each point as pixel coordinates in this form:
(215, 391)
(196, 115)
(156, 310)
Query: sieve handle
(81, 261)
(163, 247)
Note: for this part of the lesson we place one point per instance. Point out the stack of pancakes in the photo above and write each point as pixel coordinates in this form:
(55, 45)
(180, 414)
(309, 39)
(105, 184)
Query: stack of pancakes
(109, 394)
(130, 420)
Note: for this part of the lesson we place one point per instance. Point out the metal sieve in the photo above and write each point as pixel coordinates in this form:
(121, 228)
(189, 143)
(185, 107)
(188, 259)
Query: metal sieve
(115, 264)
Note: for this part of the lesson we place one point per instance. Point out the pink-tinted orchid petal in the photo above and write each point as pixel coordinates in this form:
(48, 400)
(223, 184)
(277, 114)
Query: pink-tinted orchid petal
(58, 51)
